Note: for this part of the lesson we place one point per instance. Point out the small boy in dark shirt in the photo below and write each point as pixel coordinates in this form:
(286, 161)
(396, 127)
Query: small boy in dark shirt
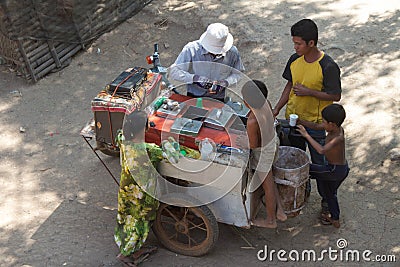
(330, 176)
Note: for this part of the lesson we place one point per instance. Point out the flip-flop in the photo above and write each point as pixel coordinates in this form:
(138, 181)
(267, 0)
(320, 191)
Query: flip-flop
(138, 257)
(143, 253)
(145, 250)
(327, 220)
(141, 259)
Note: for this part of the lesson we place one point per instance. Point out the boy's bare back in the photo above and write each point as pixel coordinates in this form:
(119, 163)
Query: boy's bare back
(335, 148)
(260, 128)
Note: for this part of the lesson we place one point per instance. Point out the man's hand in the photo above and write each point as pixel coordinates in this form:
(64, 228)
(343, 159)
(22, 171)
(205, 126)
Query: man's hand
(218, 86)
(222, 83)
(301, 90)
(202, 81)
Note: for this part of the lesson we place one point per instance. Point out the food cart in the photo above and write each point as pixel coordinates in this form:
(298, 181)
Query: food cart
(195, 193)
(191, 211)
(212, 190)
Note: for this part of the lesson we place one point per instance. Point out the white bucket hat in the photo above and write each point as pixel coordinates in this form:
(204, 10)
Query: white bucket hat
(216, 39)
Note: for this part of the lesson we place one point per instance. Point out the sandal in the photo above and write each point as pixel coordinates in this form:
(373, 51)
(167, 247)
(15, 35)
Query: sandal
(327, 220)
(138, 257)
(324, 218)
(126, 260)
(145, 250)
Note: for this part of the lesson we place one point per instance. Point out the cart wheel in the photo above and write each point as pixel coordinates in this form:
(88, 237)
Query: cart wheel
(107, 149)
(190, 231)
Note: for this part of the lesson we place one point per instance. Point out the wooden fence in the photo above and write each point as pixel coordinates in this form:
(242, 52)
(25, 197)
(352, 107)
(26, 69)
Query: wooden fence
(41, 36)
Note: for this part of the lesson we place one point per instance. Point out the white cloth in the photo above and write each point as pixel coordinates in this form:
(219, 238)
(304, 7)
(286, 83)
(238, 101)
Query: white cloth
(262, 158)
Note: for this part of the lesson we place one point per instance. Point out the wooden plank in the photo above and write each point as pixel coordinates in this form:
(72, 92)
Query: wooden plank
(70, 53)
(54, 53)
(46, 54)
(64, 48)
(42, 59)
(61, 46)
(63, 55)
(30, 44)
(62, 60)
(46, 71)
(45, 64)
(22, 51)
(38, 52)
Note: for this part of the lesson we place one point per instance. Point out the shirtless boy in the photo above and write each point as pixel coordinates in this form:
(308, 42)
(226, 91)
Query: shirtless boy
(330, 176)
(264, 144)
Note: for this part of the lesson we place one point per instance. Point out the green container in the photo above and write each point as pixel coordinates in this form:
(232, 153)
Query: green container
(199, 102)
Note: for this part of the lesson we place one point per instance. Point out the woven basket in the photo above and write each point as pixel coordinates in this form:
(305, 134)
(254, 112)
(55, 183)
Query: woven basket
(291, 174)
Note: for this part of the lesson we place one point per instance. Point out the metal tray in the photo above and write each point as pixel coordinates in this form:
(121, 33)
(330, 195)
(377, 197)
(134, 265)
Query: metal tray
(237, 126)
(186, 126)
(170, 114)
(195, 113)
(218, 119)
(240, 109)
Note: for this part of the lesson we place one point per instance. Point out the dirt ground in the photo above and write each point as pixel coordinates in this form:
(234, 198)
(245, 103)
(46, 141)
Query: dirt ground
(58, 203)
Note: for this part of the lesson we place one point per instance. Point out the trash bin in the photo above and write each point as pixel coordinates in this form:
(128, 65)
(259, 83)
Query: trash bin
(291, 172)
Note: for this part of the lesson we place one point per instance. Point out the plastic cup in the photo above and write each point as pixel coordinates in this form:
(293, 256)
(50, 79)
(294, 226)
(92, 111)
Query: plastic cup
(293, 119)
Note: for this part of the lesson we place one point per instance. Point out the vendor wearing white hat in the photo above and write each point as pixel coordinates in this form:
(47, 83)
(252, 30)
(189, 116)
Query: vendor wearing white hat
(210, 64)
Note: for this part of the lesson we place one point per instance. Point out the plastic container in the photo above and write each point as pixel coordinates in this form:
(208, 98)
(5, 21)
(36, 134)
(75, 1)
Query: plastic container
(199, 102)
(207, 149)
(170, 152)
(157, 104)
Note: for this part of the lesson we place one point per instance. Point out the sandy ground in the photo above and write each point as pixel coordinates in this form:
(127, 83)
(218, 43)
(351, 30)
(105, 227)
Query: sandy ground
(58, 203)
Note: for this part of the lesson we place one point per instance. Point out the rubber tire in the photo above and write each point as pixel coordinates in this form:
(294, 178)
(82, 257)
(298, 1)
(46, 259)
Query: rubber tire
(202, 212)
(107, 149)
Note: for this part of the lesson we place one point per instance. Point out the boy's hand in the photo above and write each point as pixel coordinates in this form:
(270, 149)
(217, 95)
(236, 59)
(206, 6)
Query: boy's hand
(311, 125)
(301, 130)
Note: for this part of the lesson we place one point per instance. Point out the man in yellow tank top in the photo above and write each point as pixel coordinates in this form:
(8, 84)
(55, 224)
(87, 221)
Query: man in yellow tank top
(313, 82)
